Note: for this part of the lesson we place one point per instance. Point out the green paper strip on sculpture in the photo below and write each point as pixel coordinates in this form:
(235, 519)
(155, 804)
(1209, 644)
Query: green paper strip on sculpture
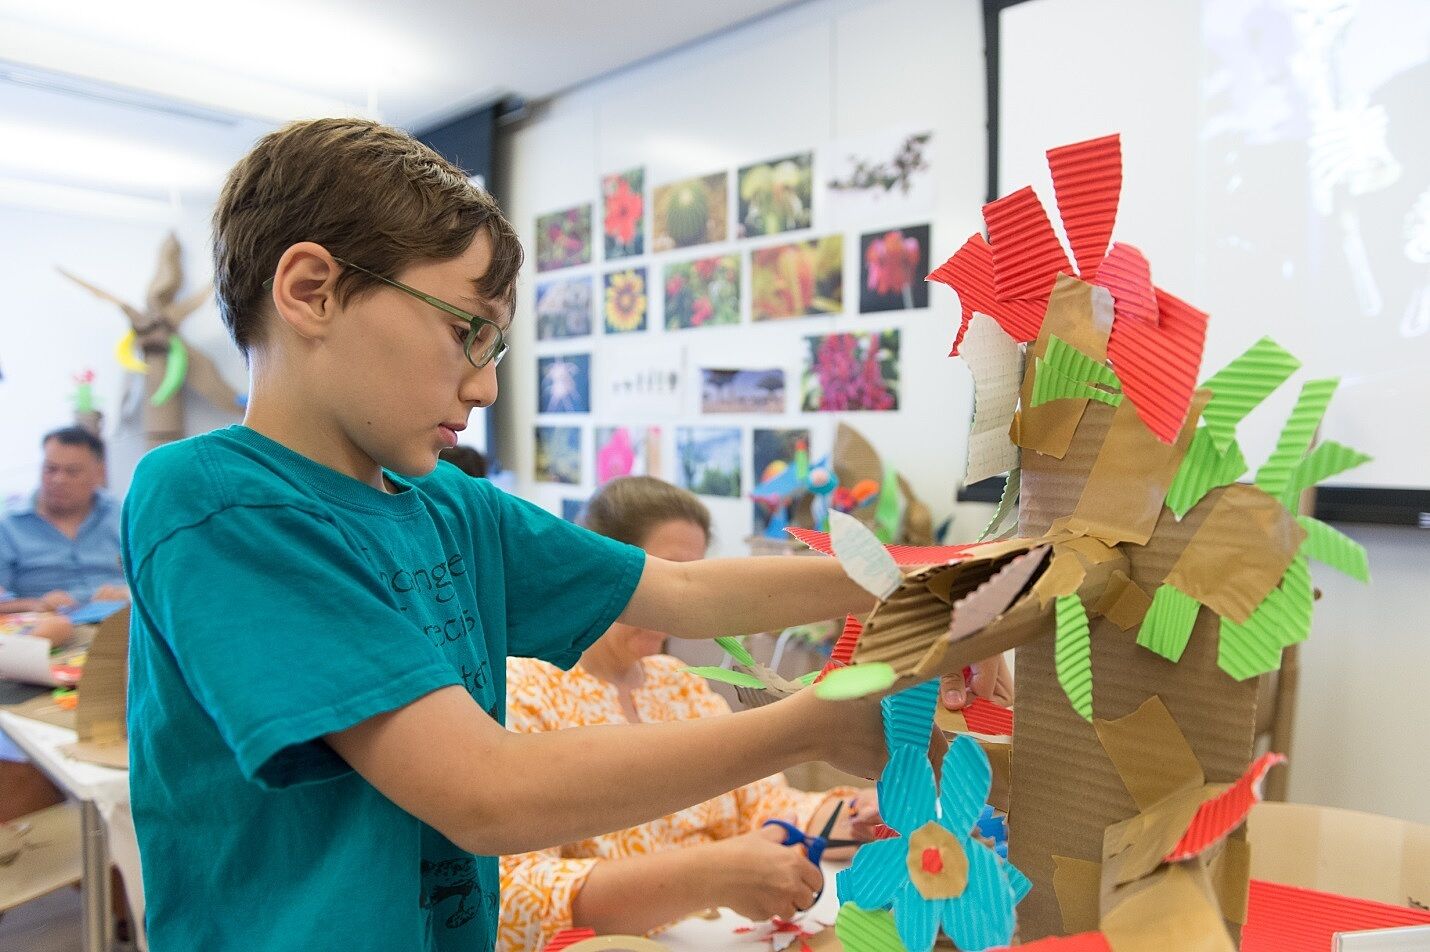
(1167, 626)
(1074, 364)
(1005, 517)
(858, 680)
(735, 649)
(1072, 654)
(1334, 548)
(175, 370)
(1204, 468)
(807, 679)
(1282, 619)
(1323, 462)
(738, 678)
(1049, 384)
(860, 930)
(1242, 384)
(886, 509)
(1296, 435)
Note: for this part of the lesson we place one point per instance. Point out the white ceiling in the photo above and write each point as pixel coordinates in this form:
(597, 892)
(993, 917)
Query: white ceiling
(156, 98)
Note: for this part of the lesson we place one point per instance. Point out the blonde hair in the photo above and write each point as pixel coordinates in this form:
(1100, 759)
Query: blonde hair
(628, 508)
(366, 192)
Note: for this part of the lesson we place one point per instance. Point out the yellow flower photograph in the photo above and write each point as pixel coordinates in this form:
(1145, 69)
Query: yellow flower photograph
(625, 301)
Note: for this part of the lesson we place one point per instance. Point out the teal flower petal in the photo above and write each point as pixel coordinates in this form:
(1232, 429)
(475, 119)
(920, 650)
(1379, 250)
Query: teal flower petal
(1020, 883)
(906, 790)
(879, 867)
(916, 918)
(965, 780)
(981, 918)
(908, 716)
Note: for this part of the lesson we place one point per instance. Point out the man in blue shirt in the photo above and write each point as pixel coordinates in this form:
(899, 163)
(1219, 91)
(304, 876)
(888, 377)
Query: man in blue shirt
(62, 546)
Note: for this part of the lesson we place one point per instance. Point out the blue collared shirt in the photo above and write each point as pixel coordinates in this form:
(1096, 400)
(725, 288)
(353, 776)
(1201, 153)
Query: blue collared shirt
(36, 558)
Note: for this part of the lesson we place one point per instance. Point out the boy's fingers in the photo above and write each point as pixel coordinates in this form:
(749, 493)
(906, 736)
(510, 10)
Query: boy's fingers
(952, 692)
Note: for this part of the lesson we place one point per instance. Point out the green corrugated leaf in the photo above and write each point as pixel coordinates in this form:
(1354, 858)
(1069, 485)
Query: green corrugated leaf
(860, 930)
(1334, 548)
(738, 678)
(736, 649)
(1203, 468)
(1072, 653)
(1005, 516)
(1323, 462)
(1296, 435)
(1242, 384)
(1073, 363)
(857, 680)
(1168, 623)
(1282, 619)
(1049, 384)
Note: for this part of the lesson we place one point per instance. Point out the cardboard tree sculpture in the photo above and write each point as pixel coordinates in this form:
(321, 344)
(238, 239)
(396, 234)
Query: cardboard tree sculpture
(1143, 588)
(167, 362)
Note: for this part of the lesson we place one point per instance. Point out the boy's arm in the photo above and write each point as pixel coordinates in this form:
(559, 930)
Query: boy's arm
(740, 596)
(442, 759)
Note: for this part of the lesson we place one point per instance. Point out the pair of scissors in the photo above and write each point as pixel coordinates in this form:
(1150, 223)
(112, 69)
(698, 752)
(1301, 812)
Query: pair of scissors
(814, 846)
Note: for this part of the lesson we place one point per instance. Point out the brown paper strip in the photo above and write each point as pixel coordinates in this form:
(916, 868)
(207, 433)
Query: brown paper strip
(1172, 909)
(1124, 603)
(1082, 316)
(1150, 753)
(1077, 884)
(1239, 554)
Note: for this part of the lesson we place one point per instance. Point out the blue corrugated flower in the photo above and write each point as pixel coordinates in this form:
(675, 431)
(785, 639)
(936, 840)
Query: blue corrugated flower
(936, 872)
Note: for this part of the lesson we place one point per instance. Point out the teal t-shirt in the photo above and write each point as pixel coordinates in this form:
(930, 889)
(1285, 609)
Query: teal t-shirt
(276, 601)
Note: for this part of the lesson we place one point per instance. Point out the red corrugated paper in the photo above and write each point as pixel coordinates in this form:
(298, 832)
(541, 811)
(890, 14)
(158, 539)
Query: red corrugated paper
(1158, 363)
(985, 717)
(1026, 254)
(1287, 919)
(905, 555)
(569, 937)
(1087, 180)
(843, 653)
(1224, 812)
(1126, 273)
(970, 273)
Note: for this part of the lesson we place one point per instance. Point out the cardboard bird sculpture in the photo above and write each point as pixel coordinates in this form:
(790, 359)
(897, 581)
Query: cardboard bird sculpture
(167, 363)
(1143, 588)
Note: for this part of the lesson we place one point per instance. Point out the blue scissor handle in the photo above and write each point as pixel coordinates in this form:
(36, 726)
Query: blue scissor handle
(794, 836)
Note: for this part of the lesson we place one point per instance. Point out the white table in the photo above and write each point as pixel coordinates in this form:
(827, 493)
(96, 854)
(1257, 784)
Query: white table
(106, 825)
(707, 935)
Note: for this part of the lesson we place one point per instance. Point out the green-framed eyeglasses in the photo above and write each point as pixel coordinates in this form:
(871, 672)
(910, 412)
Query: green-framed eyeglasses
(484, 342)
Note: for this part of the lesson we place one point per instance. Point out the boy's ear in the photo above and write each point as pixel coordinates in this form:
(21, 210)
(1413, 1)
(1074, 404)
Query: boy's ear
(305, 289)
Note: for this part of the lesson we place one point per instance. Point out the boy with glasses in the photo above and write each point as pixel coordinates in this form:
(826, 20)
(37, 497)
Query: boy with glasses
(322, 618)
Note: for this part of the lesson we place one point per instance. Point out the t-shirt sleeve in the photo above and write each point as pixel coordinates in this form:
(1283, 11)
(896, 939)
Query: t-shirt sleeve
(565, 585)
(266, 614)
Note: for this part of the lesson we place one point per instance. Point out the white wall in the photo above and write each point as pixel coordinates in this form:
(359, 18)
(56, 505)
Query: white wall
(831, 69)
(52, 329)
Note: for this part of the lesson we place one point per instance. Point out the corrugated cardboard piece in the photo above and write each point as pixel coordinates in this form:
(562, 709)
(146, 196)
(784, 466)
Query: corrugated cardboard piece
(99, 717)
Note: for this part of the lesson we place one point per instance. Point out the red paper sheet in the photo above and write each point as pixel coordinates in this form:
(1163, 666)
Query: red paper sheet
(1287, 919)
(1158, 363)
(905, 555)
(1026, 254)
(1087, 179)
(569, 937)
(843, 653)
(1126, 273)
(985, 717)
(1223, 813)
(970, 273)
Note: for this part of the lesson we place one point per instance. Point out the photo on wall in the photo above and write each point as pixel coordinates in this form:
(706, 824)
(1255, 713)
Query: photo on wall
(624, 304)
(708, 460)
(776, 196)
(851, 372)
(887, 175)
(558, 454)
(690, 212)
(646, 382)
(797, 280)
(742, 391)
(626, 451)
(623, 213)
(773, 450)
(563, 239)
(702, 293)
(565, 383)
(572, 509)
(892, 266)
(563, 308)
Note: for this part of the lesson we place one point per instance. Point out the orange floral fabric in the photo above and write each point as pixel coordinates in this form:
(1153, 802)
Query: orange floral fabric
(538, 889)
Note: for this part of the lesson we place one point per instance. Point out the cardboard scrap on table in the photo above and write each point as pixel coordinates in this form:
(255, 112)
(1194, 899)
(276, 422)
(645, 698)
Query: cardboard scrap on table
(99, 717)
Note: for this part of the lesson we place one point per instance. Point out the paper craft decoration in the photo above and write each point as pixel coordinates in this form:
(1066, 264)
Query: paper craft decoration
(168, 364)
(1128, 517)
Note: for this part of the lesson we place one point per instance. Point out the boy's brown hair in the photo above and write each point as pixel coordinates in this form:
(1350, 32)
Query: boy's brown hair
(368, 193)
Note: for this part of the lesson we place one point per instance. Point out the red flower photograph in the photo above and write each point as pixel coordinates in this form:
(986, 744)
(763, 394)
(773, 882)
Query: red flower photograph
(892, 266)
(623, 198)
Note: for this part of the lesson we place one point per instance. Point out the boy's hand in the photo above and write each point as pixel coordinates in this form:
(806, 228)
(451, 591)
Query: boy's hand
(759, 878)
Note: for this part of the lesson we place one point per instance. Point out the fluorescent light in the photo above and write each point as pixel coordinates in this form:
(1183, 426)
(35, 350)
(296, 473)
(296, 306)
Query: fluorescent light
(83, 202)
(51, 153)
